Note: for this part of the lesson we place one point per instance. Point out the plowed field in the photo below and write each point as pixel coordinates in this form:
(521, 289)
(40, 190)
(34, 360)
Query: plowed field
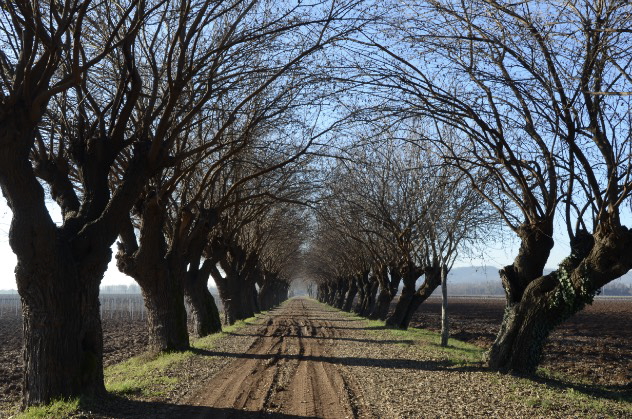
(595, 344)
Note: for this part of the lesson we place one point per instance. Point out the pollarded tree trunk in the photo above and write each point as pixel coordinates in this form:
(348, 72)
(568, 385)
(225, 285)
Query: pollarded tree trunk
(409, 276)
(432, 280)
(370, 299)
(251, 300)
(341, 292)
(204, 312)
(388, 290)
(332, 293)
(273, 291)
(166, 312)
(382, 305)
(535, 247)
(237, 297)
(58, 273)
(361, 281)
(401, 308)
(227, 293)
(63, 341)
(351, 294)
(550, 299)
(160, 273)
(283, 293)
(266, 295)
(324, 292)
(246, 308)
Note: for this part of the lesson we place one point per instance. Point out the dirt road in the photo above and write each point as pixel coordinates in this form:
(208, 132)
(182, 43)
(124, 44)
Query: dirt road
(288, 370)
(307, 360)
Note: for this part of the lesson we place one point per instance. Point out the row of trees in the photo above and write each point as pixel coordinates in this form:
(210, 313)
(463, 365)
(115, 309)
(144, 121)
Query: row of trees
(172, 125)
(399, 213)
(530, 103)
(187, 130)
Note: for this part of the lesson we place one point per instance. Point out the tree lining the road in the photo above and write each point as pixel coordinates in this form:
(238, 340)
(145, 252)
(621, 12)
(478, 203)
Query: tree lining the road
(97, 103)
(359, 144)
(533, 98)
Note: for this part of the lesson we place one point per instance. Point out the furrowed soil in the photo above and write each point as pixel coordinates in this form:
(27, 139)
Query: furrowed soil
(594, 346)
(290, 369)
(305, 359)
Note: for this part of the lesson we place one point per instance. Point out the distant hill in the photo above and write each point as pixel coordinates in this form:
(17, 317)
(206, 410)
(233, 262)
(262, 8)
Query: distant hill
(484, 280)
(473, 274)
(467, 274)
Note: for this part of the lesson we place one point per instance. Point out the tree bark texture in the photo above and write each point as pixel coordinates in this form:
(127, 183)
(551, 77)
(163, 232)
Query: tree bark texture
(351, 294)
(389, 283)
(58, 273)
(341, 292)
(204, 312)
(536, 244)
(550, 299)
(362, 279)
(63, 343)
(160, 273)
(402, 314)
(236, 295)
(166, 312)
(432, 280)
(273, 291)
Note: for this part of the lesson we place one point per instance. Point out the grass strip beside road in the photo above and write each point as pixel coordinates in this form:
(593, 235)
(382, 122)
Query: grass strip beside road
(56, 409)
(148, 375)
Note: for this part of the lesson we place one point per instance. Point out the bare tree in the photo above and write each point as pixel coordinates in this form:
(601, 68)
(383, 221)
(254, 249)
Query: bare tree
(49, 52)
(536, 98)
(96, 101)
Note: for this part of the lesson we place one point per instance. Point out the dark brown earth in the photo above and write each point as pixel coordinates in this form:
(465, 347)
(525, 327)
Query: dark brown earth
(296, 349)
(595, 344)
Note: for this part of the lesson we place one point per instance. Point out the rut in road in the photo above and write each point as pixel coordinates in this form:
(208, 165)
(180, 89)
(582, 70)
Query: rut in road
(288, 370)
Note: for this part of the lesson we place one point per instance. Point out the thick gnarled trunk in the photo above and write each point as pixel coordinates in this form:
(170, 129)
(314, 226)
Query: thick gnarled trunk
(204, 312)
(161, 274)
(166, 312)
(550, 299)
(382, 304)
(371, 298)
(389, 283)
(237, 298)
(401, 308)
(401, 316)
(341, 293)
(529, 265)
(273, 291)
(357, 308)
(432, 280)
(58, 273)
(368, 289)
(63, 343)
(351, 294)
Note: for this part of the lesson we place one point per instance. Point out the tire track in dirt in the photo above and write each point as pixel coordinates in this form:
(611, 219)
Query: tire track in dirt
(287, 371)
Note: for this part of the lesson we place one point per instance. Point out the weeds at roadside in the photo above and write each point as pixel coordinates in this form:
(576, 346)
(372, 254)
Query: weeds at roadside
(147, 375)
(143, 375)
(56, 409)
